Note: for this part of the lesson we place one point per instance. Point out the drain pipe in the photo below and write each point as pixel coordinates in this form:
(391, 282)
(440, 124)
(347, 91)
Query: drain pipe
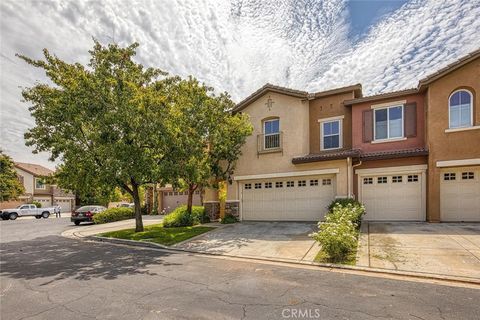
(352, 168)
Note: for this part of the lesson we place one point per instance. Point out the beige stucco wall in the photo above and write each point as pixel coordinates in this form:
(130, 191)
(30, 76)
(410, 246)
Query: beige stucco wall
(28, 180)
(453, 145)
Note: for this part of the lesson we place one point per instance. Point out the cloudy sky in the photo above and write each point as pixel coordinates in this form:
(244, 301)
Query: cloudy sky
(238, 46)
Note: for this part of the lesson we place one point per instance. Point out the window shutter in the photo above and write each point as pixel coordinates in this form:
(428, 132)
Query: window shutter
(367, 125)
(410, 122)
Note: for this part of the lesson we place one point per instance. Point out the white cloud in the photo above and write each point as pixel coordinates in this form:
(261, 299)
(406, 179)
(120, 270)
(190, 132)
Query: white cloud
(235, 46)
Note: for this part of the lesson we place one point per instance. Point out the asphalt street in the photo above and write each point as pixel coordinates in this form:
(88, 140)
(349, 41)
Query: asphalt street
(46, 276)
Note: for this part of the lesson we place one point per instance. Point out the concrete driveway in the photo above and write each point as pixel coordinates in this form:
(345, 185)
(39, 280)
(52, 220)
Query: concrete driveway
(279, 240)
(441, 248)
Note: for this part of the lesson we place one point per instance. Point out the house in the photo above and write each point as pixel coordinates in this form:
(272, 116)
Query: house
(167, 198)
(32, 177)
(410, 155)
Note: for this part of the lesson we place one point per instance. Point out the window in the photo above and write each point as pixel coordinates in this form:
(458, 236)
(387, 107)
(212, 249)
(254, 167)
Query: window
(460, 109)
(468, 175)
(39, 184)
(271, 131)
(268, 185)
(258, 185)
(279, 184)
(314, 182)
(290, 184)
(388, 123)
(396, 179)
(449, 176)
(412, 178)
(248, 186)
(331, 136)
(302, 183)
(381, 180)
(326, 182)
(367, 180)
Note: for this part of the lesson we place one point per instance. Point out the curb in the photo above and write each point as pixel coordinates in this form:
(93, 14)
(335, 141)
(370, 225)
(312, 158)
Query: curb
(416, 275)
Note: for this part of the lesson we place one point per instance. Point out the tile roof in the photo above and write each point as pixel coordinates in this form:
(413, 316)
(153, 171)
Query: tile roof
(381, 96)
(358, 154)
(449, 68)
(35, 169)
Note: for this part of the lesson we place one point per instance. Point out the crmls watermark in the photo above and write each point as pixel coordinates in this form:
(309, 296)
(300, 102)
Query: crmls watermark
(291, 313)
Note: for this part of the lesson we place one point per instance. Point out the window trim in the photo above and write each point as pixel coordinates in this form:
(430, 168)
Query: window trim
(44, 187)
(402, 137)
(471, 110)
(340, 132)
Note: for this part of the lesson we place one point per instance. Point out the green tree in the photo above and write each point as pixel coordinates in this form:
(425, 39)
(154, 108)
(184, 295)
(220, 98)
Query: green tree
(10, 186)
(208, 137)
(104, 121)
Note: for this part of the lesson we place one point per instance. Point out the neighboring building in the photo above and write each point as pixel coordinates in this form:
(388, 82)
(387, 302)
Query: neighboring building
(411, 155)
(167, 199)
(32, 177)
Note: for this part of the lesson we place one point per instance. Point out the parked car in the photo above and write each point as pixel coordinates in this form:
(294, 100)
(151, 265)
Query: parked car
(85, 214)
(126, 205)
(26, 210)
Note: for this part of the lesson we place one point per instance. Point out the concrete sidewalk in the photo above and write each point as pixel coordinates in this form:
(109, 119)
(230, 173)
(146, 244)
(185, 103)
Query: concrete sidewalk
(87, 230)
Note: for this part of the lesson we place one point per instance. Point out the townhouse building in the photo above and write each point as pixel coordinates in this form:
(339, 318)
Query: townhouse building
(410, 155)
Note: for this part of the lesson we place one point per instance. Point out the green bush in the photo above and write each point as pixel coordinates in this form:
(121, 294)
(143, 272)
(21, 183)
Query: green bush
(180, 217)
(38, 204)
(338, 234)
(229, 219)
(113, 214)
(343, 202)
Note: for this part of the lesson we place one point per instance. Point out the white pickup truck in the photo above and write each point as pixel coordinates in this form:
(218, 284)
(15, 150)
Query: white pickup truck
(26, 210)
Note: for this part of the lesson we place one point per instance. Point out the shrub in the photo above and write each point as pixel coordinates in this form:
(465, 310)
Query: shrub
(181, 218)
(229, 219)
(113, 214)
(38, 204)
(351, 212)
(343, 202)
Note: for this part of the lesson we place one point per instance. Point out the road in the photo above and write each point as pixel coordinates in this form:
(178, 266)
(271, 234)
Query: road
(46, 276)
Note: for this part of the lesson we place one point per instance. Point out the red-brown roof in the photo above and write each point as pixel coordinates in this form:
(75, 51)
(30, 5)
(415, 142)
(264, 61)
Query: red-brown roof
(35, 169)
(393, 154)
(327, 155)
(380, 96)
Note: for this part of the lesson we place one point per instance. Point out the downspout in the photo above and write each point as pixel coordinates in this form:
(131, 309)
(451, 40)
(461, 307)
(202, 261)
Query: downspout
(353, 167)
(349, 182)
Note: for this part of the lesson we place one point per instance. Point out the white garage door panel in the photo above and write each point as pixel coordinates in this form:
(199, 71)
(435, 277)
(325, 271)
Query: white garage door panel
(460, 194)
(287, 203)
(174, 199)
(386, 199)
(65, 205)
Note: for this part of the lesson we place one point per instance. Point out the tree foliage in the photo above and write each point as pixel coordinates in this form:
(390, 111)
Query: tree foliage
(10, 186)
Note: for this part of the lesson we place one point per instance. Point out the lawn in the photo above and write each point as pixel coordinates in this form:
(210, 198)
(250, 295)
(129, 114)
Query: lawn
(350, 259)
(158, 234)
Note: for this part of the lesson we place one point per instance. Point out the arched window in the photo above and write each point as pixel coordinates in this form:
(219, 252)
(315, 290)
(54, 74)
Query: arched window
(461, 109)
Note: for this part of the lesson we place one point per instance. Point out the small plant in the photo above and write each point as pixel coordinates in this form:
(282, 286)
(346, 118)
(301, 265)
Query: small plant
(36, 203)
(181, 218)
(113, 214)
(229, 219)
(343, 202)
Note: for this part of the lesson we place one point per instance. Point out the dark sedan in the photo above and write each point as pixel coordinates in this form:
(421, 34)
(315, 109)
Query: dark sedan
(85, 214)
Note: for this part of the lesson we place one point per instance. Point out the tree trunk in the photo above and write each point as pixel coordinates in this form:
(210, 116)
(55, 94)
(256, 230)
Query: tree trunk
(191, 190)
(138, 208)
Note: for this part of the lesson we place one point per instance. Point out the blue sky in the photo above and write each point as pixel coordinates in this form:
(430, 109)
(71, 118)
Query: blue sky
(238, 45)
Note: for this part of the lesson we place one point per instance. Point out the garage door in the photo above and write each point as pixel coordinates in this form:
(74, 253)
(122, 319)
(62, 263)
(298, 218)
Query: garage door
(460, 194)
(65, 205)
(45, 202)
(173, 199)
(287, 199)
(392, 197)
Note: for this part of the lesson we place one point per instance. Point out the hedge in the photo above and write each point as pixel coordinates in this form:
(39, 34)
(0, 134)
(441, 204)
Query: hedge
(338, 234)
(113, 214)
(180, 217)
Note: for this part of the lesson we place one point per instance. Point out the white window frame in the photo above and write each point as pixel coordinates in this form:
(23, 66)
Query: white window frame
(44, 186)
(340, 132)
(388, 123)
(471, 110)
(265, 135)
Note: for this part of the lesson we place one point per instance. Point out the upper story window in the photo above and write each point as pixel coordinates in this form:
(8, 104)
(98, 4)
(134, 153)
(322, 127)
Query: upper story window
(388, 123)
(460, 109)
(331, 135)
(271, 134)
(39, 184)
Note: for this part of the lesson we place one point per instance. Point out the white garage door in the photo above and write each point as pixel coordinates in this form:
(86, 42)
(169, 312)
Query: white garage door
(392, 197)
(65, 205)
(173, 199)
(460, 194)
(287, 199)
(45, 202)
